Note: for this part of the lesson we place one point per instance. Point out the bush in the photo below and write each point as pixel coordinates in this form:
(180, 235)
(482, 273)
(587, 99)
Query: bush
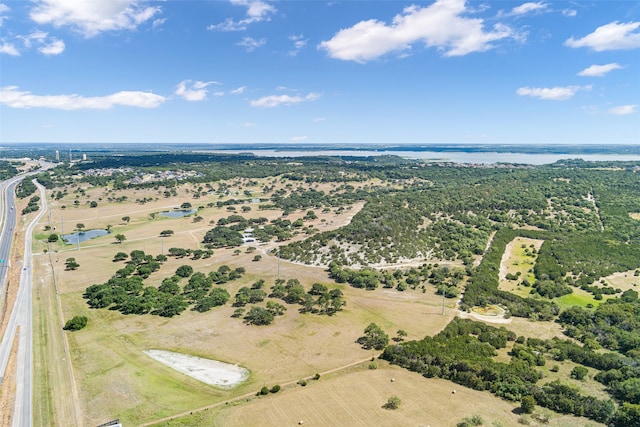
(302, 382)
(392, 403)
(275, 388)
(528, 404)
(264, 391)
(75, 324)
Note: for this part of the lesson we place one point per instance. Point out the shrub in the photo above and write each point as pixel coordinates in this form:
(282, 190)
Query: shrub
(392, 403)
(275, 388)
(75, 324)
(264, 391)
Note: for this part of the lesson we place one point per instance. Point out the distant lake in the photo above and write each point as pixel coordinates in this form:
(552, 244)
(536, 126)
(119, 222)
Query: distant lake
(74, 238)
(464, 155)
(177, 214)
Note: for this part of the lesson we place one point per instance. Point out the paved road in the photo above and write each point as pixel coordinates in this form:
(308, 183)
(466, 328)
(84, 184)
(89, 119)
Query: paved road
(21, 317)
(8, 220)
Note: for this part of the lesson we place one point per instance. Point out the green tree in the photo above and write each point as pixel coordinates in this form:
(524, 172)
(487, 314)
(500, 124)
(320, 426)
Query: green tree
(258, 316)
(71, 264)
(75, 324)
(528, 404)
(184, 271)
(392, 403)
(374, 337)
(120, 256)
(126, 219)
(80, 227)
(120, 238)
(166, 233)
(53, 238)
(579, 372)
(185, 206)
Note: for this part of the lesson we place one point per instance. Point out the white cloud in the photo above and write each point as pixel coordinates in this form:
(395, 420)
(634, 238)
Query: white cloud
(277, 100)
(8, 49)
(238, 91)
(440, 25)
(92, 17)
(257, 11)
(3, 9)
(612, 36)
(193, 91)
(623, 110)
(249, 125)
(56, 47)
(558, 93)
(299, 138)
(569, 13)
(251, 44)
(530, 7)
(299, 42)
(599, 70)
(12, 97)
(319, 119)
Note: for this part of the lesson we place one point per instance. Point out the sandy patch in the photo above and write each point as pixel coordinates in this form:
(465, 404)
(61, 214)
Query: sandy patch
(208, 371)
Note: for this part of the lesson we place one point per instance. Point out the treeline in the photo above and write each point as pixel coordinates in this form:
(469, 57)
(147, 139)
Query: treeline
(7, 170)
(463, 353)
(482, 288)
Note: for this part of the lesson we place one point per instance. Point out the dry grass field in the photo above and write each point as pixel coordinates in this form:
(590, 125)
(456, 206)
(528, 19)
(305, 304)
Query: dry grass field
(115, 378)
(356, 399)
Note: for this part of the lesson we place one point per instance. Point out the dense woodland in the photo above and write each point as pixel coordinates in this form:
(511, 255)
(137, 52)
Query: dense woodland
(448, 224)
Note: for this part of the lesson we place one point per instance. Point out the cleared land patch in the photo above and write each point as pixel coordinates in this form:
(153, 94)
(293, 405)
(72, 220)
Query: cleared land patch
(208, 371)
(517, 264)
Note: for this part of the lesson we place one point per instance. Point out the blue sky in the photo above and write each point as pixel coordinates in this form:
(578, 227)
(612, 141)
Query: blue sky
(306, 71)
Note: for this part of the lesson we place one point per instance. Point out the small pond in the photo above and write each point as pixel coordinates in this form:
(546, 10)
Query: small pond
(74, 238)
(178, 214)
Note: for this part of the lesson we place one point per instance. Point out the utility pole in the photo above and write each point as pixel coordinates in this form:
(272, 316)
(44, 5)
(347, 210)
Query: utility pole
(278, 261)
(443, 290)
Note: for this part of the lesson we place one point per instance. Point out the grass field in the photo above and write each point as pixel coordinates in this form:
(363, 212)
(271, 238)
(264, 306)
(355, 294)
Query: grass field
(116, 379)
(356, 399)
(518, 260)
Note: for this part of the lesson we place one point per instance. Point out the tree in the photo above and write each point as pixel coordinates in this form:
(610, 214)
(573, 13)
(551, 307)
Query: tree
(258, 316)
(374, 337)
(120, 256)
(126, 219)
(579, 372)
(71, 264)
(75, 324)
(93, 204)
(53, 238)
(392, 403)
(185, 205)
(400, 335)
(120, 238)
(528, 404)
(184, 271)
(80, 227)
(166, 233)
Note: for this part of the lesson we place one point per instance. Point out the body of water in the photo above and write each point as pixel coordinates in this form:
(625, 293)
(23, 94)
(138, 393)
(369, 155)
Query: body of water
(74, 238)
(472, 157)
(178, 214)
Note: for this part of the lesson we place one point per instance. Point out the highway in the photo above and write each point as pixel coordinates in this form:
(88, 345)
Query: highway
(21, 316)
(8, 219)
